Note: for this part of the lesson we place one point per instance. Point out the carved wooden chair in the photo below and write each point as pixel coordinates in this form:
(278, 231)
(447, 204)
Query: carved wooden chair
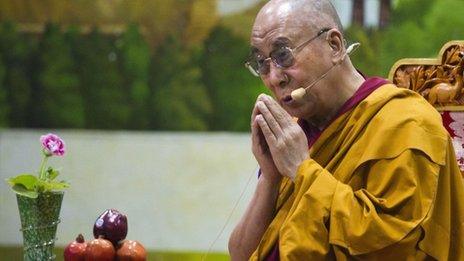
(440, 81)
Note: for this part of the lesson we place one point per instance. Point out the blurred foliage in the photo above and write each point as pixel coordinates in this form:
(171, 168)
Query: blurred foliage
(231, 88)
(201, 19)
(366, 57)
(55, 11)
(135, 64)
(193, 18)
(174, 66)
(410, 11)
(17, 53)
(241, 23)
(180, 101)
(104, 95)
(444, 21)
(418, 30)
(3, 99)
(57, 101)
(158, 17)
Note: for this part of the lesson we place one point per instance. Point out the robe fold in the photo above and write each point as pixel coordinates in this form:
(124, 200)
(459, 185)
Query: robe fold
(381, 183)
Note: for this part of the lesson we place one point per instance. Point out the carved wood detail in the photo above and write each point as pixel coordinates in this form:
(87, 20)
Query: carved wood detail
(439, 80)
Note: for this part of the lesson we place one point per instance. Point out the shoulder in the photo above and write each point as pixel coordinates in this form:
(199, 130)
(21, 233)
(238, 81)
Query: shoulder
(402, 108)
(400, 119)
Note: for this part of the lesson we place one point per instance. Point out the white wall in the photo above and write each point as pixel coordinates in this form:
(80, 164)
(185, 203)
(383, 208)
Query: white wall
(177, 189)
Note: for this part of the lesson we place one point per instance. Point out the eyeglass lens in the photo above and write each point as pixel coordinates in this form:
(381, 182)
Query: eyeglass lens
(282, 57)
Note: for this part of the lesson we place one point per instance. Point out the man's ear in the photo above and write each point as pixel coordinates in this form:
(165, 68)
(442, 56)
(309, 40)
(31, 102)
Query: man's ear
(335, 41)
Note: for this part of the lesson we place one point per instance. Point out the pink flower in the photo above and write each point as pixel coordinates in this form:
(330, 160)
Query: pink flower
(52, 144)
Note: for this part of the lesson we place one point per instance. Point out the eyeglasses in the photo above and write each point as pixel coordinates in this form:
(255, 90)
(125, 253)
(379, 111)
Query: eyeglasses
(283, 57)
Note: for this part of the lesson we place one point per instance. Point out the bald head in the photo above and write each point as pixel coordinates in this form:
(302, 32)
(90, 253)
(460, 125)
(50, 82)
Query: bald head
(312, 15)
(299, 44)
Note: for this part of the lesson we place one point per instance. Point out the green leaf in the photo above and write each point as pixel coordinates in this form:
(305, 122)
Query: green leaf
(51, 185)
(28, 181)
(21, 190)
(51, 173)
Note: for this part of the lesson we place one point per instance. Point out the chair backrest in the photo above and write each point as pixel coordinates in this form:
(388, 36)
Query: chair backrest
(440, 81)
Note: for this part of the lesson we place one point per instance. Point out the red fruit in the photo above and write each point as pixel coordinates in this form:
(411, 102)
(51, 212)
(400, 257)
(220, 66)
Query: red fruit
(130, 250)
(99, 250)
(75, 251)
(112, 225)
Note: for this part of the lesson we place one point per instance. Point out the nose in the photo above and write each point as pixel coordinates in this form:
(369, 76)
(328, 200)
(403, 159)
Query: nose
(277, 77)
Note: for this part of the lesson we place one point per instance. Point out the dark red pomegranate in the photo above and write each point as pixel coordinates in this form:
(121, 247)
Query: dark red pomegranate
(75, 251)
(111, 225)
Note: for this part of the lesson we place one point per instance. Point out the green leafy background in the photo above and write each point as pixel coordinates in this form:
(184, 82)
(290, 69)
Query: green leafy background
(184, 72)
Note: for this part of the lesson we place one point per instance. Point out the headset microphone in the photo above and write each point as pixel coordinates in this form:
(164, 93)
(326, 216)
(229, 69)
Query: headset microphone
(299, 93)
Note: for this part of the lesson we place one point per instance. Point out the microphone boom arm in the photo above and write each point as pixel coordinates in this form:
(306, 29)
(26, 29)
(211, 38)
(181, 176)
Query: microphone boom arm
(299, 93)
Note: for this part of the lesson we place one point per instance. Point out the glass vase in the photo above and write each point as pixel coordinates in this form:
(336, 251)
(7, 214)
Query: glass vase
(39, 221)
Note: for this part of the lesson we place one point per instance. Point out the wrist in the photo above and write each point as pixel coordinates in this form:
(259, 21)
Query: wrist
(293, 174)
(270, 181)
(268, 188)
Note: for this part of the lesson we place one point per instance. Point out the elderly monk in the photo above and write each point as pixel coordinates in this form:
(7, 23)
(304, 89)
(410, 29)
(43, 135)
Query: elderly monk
(379, 180)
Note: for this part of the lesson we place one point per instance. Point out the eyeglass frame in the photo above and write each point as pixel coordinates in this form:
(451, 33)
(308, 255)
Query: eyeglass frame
(293, 52)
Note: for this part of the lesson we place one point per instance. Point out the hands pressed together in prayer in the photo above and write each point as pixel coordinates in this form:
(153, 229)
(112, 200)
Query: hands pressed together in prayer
(278, 142)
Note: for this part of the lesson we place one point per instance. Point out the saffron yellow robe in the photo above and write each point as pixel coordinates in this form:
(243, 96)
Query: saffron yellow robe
(382, 184)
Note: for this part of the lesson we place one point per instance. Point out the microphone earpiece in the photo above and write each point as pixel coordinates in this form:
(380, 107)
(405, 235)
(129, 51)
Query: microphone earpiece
(299, 93)
(352, 48)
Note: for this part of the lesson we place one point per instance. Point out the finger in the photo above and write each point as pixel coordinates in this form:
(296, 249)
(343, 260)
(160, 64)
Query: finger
(254, 132)
(258, 140)
(282, 117)
(269, 118)
(255, 109)
(268, 134)
(254, 113)
(257, 136)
